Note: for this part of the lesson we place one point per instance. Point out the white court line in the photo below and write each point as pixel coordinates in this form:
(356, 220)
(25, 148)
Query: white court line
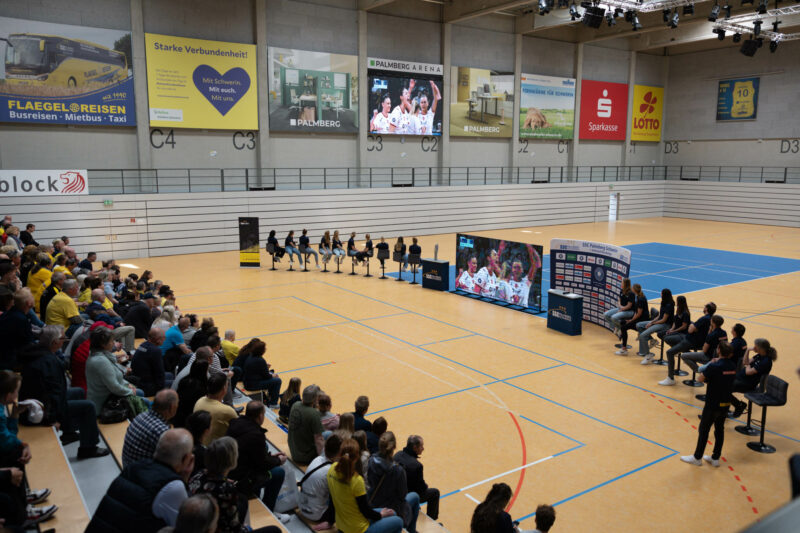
(643, 273)
(695, 261)
(471, 498)
(523, 467)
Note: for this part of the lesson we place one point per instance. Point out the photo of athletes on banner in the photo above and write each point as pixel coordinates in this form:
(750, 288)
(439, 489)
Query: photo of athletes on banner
(313, 91)
(482, 102)
(64, 74)
(506, 271)
(405, 98)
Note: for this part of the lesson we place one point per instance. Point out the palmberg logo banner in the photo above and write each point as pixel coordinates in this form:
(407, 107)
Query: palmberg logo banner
(43, 182)
(647, 119)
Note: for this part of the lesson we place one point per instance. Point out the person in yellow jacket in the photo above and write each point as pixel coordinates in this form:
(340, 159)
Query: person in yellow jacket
(230, 350)
(39, 278)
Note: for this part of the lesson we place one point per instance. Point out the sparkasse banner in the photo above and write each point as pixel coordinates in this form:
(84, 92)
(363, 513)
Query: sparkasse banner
(648, 108)
(43, 182)
(604, 110)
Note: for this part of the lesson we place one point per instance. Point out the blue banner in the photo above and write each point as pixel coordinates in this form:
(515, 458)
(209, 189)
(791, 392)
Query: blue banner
(737, 99)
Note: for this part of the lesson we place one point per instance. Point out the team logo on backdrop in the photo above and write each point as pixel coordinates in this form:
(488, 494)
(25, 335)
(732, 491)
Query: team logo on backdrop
(604, 110)
(315, 123)
(647, 113)
(43, 182)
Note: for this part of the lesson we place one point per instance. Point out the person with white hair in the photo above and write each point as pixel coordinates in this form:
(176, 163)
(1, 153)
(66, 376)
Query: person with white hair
(230, 350)
(62, 309)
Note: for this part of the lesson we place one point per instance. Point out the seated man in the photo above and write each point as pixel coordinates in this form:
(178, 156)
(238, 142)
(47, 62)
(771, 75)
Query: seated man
(221, 414)
(15, 330)
(257, 468)
(413, 249)
(709, 350)
(174, 347)
(383, 245)
(148, 364)
(86, 264)
(230, 350)
(314, 499)
(62, 310)
(144, 431)
(305, 428)
(362, 406)
(101, 309)
(140, 315)
(147, 495)
(408, 458)
(200, 514)
(752, 370)
(43, 379)
(56, 286)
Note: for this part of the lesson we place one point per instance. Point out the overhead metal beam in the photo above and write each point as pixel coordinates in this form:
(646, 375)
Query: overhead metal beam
(532, 22)
(470, 9)
(366, 5)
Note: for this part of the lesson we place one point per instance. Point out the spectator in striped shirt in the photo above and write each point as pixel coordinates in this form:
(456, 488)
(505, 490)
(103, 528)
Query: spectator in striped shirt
(145, 430)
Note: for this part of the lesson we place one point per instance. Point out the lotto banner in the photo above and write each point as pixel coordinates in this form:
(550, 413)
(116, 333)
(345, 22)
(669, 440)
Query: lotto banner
(43, 182)
(62, 74)
(547, 107)
(249, 255)
(737, 99)
(193, 83)
(592, 269)
(604, 110)
(648, 108)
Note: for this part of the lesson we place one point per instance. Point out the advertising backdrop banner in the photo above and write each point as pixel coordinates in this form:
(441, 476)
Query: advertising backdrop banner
(737, 99)
(648, 110)
(481, 102)
(507, 271)
(43, 182)
(312, 91)
(62, 74)
(193, 83)
(405, 98)
(249, 255)
(547, 107)
(604, 110)
(592, 269)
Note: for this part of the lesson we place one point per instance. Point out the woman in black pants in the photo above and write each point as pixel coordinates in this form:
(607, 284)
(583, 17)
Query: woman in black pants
(640, 312)
(279, 251)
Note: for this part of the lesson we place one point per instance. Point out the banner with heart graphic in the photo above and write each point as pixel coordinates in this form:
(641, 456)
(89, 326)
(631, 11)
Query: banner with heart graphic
(194, 83)
(647, 116)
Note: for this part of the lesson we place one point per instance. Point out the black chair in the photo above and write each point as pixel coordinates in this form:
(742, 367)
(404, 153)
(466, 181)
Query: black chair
(397, 257)
(775, 396)
(305, 253)
(383, 255)
(366, 261)
(678, 371)
(413, 260)
(271, 251)
(748, 429)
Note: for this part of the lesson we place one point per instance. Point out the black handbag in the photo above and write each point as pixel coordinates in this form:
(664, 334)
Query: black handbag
(115, 410)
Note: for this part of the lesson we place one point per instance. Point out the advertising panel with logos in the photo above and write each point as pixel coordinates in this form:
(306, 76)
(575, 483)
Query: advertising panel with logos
(648, 107)
(547, 107)
(405, 98)
(193, 83)
(482, 102)
(737, 99)
(604, 110)
(507, 271)
(63, 74)
(312, 91)
(43, 182)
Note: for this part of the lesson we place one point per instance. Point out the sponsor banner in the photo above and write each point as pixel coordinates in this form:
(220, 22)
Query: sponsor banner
(313, 91)
(194, 83)
(43, 182)
(481, 102)
(249, 255)
(737, 99)
(547, 107)
(63, 74)
(648, 113)
(604, 110)
(594, 270)
(404, 98)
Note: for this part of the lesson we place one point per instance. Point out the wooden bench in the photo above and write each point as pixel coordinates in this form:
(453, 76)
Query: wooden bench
(114, 435)
(260, 516)
(50, 468)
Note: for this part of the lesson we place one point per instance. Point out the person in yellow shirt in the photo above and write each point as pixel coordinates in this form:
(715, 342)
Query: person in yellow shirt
(61, 265)
(349, 494)
(230, 350)
(39, 278)
(221, 414)
(62, 310)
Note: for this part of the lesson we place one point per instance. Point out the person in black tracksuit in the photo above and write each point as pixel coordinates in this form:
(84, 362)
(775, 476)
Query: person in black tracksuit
(718, 375)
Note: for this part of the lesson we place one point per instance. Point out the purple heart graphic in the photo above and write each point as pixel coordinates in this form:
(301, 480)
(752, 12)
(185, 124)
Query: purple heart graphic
(223, 91)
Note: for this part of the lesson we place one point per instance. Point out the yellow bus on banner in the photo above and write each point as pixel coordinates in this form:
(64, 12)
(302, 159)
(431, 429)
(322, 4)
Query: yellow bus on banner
(648, 108)
(194, 83)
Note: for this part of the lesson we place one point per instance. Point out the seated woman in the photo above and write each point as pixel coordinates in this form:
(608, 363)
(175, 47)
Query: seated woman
(490, 514)
(624, 310)
(415, 248)
(387, 482)
(279, 251)
(190, 389)
(366, 251)
(338, 250)
(306, 243)
(199, 425)
(103, 376)
(39, 278)
(662, 322)
(166, 319)
(400, 247)
(752, 371)
(325, 247)
(330, 421)
(256, 374)
(291, 248)
(354, 514)
(351, 245)
(289, 397)
(383, 245)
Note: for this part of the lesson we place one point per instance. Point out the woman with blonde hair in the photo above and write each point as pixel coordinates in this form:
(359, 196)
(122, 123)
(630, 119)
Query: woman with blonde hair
(39, 278)
(166, 319)
(325, 247)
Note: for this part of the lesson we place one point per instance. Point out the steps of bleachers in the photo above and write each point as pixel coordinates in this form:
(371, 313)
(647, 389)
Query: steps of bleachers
(114, 435)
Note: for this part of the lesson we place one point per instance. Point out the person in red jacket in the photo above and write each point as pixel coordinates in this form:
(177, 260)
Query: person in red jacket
(79, 357)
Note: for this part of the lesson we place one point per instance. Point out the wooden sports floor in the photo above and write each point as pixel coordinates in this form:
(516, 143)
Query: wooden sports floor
(499, 397)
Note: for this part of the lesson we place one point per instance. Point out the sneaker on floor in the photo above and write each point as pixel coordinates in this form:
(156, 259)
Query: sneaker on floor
(667, 382)
(647, 358)
(640, 354)
(621, 351)
(37, 515)
(284, 518)
(318, 267)
(691, 460)
(33, 497)
(710, 460)
(91, 453)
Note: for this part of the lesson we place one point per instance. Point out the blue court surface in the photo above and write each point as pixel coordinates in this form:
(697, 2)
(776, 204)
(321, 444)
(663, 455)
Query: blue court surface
(682, 269)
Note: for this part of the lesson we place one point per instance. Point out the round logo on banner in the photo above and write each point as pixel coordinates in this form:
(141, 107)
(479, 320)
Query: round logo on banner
(599, 273)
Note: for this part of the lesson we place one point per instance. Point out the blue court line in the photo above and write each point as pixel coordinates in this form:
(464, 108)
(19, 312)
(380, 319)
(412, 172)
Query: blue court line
(447, 340)
(464, 390)
(603, 484)
(554, 431)
(306, 367)
(769, 325)
(768, 312)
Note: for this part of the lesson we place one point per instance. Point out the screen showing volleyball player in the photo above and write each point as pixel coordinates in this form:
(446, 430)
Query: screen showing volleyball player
(502, 270)
(405, 105)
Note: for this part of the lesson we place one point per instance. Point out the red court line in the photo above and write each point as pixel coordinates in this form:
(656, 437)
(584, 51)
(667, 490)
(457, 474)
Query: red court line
(524, 462)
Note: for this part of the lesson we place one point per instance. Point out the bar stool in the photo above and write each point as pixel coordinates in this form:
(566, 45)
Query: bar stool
(324, 261)
(397, 257)
(353, 269)
(413, 260)
(775, 396)
(338, 258)
(691, 382)
(271, 251)
(661, 361)
(747, 428)
(366, 260)
(305, 253)
(383, 255)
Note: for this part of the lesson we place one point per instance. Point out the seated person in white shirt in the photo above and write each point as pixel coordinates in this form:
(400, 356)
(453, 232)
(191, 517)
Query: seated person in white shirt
(314, 500)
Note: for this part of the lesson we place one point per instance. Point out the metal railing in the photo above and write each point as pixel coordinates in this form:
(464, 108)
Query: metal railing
(130, 181)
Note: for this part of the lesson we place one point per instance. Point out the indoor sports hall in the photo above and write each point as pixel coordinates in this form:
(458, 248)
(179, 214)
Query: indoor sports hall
(430, 203)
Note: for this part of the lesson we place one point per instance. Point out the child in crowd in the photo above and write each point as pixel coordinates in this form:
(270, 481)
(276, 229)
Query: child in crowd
(288, 398)
(330, 421)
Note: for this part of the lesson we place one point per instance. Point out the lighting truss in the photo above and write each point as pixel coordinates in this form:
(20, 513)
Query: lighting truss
(744, 23)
